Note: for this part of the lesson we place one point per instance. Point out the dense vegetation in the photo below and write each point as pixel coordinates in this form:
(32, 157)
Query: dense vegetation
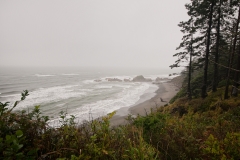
(203, 121)
(195, 129)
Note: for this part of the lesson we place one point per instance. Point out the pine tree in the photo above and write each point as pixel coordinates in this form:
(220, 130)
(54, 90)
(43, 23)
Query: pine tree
(210, 16)
(216, 60)
(236, 76)
(236, 26)
(187, 53)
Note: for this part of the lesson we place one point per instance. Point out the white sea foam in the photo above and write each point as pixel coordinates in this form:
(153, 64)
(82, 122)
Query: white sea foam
(59, 105)
(125, 98)
(89, 81)
(111, 85)
(48, 95)
(86, 90)
(70, 74)
(11, 95)
(124, 86)
(44, 75)
(103, 86)
(118, 77)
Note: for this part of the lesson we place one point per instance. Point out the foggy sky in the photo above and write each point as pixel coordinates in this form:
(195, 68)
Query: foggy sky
(104, 33)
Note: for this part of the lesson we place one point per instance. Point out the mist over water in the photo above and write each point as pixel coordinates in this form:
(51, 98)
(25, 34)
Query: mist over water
(74, 90)
(105, 39)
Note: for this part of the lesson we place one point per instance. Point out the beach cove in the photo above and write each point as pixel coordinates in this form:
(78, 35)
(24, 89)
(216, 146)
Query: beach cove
(164, 93)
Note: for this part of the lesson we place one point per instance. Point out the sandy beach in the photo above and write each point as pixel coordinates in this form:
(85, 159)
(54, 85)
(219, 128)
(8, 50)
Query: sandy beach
(165, 92)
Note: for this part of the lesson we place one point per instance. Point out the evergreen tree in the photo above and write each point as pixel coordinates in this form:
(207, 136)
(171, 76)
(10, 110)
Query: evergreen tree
(187, 53)
(212, 33)
(236, 76)
(210, 16)
(216, 60)
(236, 26)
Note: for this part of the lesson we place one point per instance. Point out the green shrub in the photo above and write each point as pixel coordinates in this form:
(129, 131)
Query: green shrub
(28, 136)
(229, 148)
(19, 131)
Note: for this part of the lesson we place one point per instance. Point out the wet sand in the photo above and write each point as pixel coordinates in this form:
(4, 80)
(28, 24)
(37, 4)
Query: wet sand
(165, 92)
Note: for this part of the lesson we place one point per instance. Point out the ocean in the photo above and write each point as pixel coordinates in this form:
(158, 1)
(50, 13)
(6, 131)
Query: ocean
(84, 93)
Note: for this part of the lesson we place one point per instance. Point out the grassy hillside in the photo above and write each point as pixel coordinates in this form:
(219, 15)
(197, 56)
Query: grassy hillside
(196, 129)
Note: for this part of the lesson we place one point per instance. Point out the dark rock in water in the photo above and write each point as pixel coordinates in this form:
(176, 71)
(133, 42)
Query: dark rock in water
(127, 80)
(158, 79)
(170, 75)
(113, 80)
(149, 79)
(141, 79)
(97, 80)
(156, 82)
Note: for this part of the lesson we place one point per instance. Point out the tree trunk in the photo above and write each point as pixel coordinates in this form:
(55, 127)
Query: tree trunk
(190, 72)
(227, 74)
(204, 87)
(236, 76)
(215, 74)
(232, 55)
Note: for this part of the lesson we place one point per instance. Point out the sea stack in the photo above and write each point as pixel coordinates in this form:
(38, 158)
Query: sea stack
(140, 78)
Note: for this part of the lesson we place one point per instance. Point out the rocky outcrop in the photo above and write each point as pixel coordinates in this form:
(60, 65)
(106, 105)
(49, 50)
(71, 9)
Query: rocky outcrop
(113, 80)
(97, 80)
(141, 79)
(127, 80)
(158, 79)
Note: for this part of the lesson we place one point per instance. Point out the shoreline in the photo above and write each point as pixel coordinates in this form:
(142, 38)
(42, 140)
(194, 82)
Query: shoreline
(165, 91)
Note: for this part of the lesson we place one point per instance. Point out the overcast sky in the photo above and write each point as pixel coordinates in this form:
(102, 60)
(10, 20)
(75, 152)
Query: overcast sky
(104, 33)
